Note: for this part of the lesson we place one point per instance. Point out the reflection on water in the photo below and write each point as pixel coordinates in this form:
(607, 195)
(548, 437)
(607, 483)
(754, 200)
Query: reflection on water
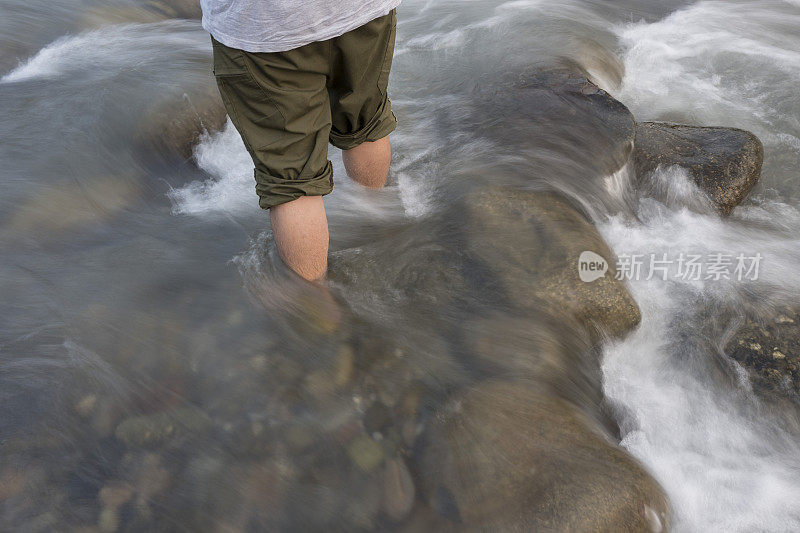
(160, 369)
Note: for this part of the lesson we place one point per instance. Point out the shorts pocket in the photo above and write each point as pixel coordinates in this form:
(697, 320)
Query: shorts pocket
(250, 108)
(386, 62)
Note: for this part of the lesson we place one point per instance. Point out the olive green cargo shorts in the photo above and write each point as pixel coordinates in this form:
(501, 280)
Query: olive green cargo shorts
(288, 105)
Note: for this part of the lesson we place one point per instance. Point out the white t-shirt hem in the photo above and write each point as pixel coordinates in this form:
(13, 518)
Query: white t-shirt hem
(285, 44)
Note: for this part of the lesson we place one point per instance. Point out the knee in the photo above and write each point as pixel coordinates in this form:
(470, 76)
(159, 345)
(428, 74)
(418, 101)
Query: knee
(368, 163)
(371, 178)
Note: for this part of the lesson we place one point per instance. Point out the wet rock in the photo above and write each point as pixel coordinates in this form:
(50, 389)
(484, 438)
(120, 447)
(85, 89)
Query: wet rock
(86, 405)
(398, 489)
(366, 453)
(248, 439)
(106, 417)
(532, 242)
(769, 348)
(725, 163)
(429, 273)
(504, 457)
(554, 354)
(423, 519)
(159, 428)
(12, 482)
(142, 12)
(343, 498)
(174, 125)
(377, 417)
(105, 15)
(81, 204)
(112, 497)
(546, 107)
(240, 495)
(344, 366)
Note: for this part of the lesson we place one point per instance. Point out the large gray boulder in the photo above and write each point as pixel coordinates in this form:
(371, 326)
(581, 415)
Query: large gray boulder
(725, 163)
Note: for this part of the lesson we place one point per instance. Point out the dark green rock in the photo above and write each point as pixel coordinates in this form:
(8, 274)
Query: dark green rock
(725, 163)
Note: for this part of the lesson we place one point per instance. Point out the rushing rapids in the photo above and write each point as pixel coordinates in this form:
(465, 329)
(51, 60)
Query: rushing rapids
(159, 369)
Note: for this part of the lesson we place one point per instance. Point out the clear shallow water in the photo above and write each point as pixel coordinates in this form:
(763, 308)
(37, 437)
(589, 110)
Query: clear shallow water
(136, 283)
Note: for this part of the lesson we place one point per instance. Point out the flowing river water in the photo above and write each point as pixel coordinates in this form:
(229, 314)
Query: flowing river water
(135, 283)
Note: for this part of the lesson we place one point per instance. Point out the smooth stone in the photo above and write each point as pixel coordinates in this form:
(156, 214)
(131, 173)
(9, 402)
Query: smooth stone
(398, 489)
(543, 108)
(377, 417)
(502, 456)
(532, 242)
(106, 15)
(365, 452)
(555, 354)
(174, 125)
(115, 494)
(112, 497)
(186, 9)
(141, 12)
(159, 428)
(725, 163)
(12, 483)
(344, 366)
(81, 204)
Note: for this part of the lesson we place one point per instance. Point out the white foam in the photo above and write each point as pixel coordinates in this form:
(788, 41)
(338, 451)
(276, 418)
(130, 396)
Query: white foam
(725, 465)
(105, 49)
(231, 187)
(717, 63)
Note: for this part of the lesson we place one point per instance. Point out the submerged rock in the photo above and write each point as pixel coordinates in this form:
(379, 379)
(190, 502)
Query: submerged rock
(81, 204)
(112, 497)
(560, 110)
(185, 9)
(142, 12)
(770, 350)
(398, 489)
(532, 242)
(158, 428)
(725, 163)
(174, 125)
(505, 457)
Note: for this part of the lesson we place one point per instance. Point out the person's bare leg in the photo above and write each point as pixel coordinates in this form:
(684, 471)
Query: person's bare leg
(300, 228)
(368, 163)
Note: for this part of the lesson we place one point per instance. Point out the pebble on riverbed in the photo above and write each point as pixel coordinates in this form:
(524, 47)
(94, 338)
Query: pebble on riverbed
(158, 428)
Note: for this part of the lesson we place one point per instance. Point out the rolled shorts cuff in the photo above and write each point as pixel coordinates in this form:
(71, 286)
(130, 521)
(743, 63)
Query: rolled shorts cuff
(274, 191)
(382, 124)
